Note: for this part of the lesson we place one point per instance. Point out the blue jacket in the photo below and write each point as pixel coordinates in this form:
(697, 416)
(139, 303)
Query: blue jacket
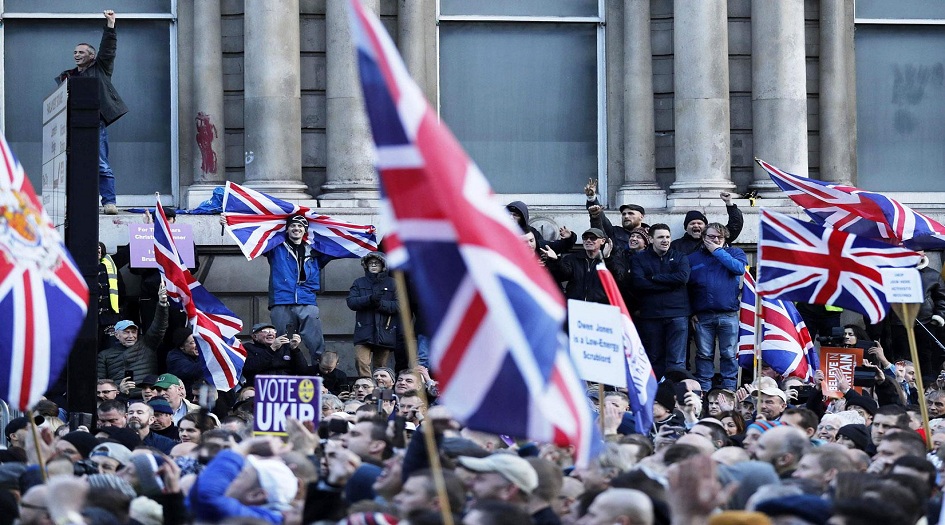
(714, 279)
(660, 282)
(208, 500)
(284, 285)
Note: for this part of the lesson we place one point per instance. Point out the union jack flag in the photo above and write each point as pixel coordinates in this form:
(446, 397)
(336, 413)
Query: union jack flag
(641, 381)
(801, 261)
(43, 297)
(257, 223)
(863, 213)
(786, 344)
(214, 326)
(494, 315)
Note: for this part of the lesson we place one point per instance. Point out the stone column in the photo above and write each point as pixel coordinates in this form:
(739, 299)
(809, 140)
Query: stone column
(700, 74)
(778, 90)
(351, 180)
(272, 106)
(209, 164)
(837, 93)
(639, 183)
(416, 40)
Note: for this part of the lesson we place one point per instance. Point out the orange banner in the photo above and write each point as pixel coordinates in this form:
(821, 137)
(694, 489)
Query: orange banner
(838, 362)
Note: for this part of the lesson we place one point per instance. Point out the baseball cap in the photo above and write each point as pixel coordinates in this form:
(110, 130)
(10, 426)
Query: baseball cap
(147, 380)
(771, 391)
(276, 479)
(125, 324)
(160, 405)
(513, 468)
(116, 451)
(166, 380)
(594, 231)
(259, 326)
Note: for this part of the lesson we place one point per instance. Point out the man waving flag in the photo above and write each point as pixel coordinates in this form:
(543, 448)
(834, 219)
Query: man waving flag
(43, 297)
(493, 314)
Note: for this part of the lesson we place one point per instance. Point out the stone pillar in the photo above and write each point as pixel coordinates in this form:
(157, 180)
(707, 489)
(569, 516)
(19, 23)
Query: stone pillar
(778, 90)
(351, 179)
(837, 93)
(639, 183)
(272, 106)
(416, 41)
(700, 74)
(209, 164)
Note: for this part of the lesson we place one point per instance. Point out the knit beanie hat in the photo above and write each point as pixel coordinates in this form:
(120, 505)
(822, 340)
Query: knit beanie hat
(643, 233)
(146, 466)
(694, 215)
(82, 441)
(113, 482)
(812, 509)
(666, 395)
(855, 433)
(764, 426)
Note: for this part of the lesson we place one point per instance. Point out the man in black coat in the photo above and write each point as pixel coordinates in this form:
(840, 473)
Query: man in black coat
(100, 65)
(377, 318)
(272, 354)
(580, 269)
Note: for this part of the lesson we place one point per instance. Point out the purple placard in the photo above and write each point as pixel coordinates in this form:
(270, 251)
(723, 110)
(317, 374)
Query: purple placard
(142, 244)
(281, 397)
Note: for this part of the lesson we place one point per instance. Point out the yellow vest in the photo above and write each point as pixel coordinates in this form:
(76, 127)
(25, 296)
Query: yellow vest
(112, 272)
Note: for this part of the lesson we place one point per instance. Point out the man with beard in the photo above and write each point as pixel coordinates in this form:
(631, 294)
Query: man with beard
(696, 222)
(140, 419)
(631, 218)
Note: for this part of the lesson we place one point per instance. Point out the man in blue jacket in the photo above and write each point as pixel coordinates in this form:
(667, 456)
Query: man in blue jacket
(715, 274)
(659, 274)
(294, 273)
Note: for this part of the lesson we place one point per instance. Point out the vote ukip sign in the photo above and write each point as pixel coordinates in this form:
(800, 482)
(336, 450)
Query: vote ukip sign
(281, 397)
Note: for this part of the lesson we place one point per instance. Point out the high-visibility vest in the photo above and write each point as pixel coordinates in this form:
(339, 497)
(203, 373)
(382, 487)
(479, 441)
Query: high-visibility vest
(112, 272)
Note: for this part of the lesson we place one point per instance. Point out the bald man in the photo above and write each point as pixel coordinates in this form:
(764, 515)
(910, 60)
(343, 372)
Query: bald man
(620, 506)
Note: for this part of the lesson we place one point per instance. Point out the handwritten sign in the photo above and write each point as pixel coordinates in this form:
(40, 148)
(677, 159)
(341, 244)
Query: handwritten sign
(902, 285)
(596, 342)
(281, 397)
(141, 245)
(837, 363)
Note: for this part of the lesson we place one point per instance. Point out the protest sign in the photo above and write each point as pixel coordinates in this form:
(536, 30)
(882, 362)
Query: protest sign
(836, 363)
(282, 397)
(596, 342)
(141, 244)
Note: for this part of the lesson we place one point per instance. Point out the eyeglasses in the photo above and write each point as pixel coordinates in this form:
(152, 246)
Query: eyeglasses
(32, 507)
(267, 332)
(713, 236)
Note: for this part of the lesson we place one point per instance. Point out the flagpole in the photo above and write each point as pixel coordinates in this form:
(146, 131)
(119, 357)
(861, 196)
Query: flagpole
(433, 454)
(36, 437)
(907, 313)
(600, 405)
(759, 337)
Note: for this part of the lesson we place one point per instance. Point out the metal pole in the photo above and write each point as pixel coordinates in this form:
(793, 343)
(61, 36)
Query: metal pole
(907, 313)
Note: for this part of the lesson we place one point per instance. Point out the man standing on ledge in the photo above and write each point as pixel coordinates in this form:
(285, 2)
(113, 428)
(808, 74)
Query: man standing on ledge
(100, 66)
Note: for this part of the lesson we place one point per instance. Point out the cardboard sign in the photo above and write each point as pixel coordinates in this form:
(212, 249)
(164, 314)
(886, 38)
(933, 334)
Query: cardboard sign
(282, 397)
(902, 285)
(837, 362)
(141, 244)
(596, 342)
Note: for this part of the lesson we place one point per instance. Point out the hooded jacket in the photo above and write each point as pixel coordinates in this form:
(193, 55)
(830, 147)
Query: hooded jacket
(285, 283)
(374, 299)
(560, 246)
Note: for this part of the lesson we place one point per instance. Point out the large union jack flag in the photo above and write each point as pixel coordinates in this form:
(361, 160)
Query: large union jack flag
(215, 327)
(43, 297)
(863, 213)
(641, 381)
(786, 344)
(494, 315)
(257, 223)
(802, 261)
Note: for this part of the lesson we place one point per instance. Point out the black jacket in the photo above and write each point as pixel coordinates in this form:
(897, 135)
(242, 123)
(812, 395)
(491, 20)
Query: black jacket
(112, 106)
(260, 360)
(377, 319)
(581, 274)
(660, 282)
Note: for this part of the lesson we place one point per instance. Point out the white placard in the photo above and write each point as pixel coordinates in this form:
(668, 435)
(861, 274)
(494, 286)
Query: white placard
(902, 285)
(596, 342)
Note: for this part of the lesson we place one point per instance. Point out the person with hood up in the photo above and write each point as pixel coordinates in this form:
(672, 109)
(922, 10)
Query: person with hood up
(377, 319)
(518, 210)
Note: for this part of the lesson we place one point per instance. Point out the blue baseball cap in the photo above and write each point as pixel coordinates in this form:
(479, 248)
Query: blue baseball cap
(124, 325)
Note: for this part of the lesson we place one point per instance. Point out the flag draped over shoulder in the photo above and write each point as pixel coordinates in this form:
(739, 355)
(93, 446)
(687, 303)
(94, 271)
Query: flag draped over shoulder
(641, 381)
(802, 261)
(494, 315)
(43, 297)
(863, 213)
(257, 223)
(214, 326)
(786, 345)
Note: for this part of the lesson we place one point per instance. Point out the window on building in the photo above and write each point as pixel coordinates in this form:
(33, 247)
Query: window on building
(900, 70)
(38, 39)
(521, 86)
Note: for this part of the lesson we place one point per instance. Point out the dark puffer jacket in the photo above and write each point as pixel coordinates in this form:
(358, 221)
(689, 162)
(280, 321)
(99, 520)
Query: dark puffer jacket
(141, 357)
(374, 298)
